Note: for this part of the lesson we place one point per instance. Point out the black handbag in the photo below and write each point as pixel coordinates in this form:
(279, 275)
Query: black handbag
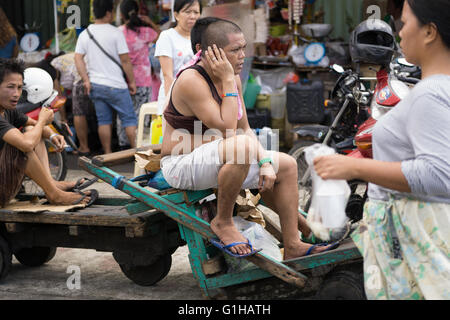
(107, 54)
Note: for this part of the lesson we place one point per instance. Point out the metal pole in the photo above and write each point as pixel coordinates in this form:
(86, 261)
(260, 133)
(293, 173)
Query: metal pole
(55, 13)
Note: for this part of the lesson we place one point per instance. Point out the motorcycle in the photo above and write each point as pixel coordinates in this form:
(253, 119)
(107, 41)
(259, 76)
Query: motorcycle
(389, 91)
(349, 104)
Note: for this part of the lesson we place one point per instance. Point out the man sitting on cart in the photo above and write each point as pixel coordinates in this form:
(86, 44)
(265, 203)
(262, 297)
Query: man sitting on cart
(208, 143)
(24, 153)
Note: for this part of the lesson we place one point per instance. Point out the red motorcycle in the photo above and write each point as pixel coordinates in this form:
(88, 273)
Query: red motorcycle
(351, 95)
(389, 91)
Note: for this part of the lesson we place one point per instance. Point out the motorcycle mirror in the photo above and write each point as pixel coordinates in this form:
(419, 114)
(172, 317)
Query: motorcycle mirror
(403, 61)
(337, 68)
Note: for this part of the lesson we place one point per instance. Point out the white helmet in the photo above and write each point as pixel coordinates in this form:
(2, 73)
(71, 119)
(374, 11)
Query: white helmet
(38, 84)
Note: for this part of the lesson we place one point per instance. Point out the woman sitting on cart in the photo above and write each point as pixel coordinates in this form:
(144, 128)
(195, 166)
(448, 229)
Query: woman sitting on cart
(23, 153)
(404, 236)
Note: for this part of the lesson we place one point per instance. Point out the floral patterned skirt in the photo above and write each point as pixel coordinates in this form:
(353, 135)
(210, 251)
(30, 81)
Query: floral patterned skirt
(405, 246)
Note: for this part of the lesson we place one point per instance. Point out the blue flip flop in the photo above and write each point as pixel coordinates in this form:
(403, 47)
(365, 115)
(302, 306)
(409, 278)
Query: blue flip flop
(225, 248)
(332, 246)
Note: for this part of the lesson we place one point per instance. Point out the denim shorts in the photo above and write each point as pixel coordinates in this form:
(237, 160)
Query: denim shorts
(106, 99)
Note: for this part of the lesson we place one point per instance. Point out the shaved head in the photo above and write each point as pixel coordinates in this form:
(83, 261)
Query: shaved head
(217, 33)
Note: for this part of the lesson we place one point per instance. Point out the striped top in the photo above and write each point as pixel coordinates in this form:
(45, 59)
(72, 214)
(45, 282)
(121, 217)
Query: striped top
(417, 133)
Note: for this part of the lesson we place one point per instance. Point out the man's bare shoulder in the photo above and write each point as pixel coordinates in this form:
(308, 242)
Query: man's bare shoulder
(190, 80)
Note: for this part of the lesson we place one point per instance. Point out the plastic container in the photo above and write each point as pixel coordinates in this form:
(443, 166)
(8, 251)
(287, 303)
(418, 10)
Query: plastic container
(304, 102)
(268, 139)
(263, 101)
(251, 92)
(277, 104)
(156, 130)
(258, 118)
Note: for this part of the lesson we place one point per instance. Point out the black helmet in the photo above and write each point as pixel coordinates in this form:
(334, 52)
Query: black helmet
(372, 42)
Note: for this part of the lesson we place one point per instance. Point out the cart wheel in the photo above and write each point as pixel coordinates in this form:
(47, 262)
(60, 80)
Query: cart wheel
(342, 285)
(150, 274)
(35, 256)
(5, 258)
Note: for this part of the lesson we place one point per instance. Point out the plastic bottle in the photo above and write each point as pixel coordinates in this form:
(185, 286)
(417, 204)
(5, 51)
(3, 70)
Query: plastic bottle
(156, 130)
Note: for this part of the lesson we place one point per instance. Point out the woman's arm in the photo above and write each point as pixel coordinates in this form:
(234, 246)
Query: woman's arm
(128, 69)
(382, 173)
(167, 71)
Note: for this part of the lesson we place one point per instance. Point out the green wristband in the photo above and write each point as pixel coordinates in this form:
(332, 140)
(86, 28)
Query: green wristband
(264, 160)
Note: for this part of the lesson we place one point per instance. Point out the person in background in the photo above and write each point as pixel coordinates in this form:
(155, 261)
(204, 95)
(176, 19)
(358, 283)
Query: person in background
(394, 9)
(173, 47)
(139, 32)
(82, 106)
(24, 152)
(45, 64)
(9, 47)
(404, 235)
(103, 77)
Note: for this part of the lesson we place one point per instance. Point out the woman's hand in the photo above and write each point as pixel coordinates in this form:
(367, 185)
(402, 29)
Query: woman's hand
(336, 166)
(267, 177)
(219, 63)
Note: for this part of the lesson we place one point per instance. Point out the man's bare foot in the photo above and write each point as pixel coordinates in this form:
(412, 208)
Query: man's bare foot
(68, 198)
(301, 249)
(227, 232)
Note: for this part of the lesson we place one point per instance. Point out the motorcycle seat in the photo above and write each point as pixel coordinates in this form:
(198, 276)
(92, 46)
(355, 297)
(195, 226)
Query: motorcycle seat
(26, 107)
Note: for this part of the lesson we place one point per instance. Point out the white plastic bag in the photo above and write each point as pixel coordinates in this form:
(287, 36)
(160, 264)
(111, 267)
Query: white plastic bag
(329, 197)
(260, 238)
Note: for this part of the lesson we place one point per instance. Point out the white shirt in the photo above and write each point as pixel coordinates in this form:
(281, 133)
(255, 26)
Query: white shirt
(171, 44)
(101, 69)
(416, 133)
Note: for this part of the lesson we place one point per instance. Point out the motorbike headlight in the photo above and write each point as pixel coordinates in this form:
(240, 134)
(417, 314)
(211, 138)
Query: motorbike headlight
(376, 110)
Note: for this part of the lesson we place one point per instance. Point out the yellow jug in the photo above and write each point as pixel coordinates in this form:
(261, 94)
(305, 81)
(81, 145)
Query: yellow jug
(156, 130)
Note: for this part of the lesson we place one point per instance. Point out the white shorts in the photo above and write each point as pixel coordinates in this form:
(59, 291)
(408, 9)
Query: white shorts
(199, 169)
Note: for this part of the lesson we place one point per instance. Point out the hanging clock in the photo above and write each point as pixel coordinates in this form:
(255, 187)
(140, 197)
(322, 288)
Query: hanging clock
(29, 42)
(314, 52)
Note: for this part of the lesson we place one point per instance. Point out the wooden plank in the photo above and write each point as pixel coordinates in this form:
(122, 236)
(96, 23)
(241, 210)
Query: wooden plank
(106, 217)
(138, 207)
(213, 265)
(123, 156)
(192, 222)
(12, 227)
(193, 196)
(230, 279)
(272, 227)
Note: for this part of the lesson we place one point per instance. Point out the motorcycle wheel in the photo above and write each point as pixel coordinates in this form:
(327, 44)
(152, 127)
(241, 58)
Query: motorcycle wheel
(58, 168)
(298, 153)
